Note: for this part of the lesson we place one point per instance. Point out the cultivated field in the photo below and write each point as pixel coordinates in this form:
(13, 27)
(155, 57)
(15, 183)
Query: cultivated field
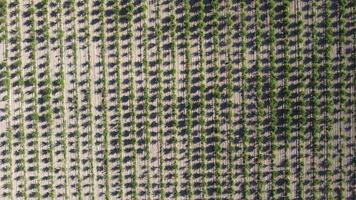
(160, 99)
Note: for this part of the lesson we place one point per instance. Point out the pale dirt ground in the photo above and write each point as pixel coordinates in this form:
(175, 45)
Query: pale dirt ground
(97, 186)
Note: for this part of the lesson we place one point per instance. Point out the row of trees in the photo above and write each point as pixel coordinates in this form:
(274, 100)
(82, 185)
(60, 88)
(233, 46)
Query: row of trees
(88, 95)
(259, 101)
(47, 95)
(132, 98)
(244, 88)
(341, 93)
(146, 100)
(287, 102)
(18, 66)
(75, 99)
(104, 93)
(34, 99)
(202, 97)
(300, 102)
(188, 101)
(272, 95)
(230, 102)
(328, 79)
(174, 99)
(60, 82)
(314, 103)
(118, 99)
(6, 84)
(216, 95)
(159, 76)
